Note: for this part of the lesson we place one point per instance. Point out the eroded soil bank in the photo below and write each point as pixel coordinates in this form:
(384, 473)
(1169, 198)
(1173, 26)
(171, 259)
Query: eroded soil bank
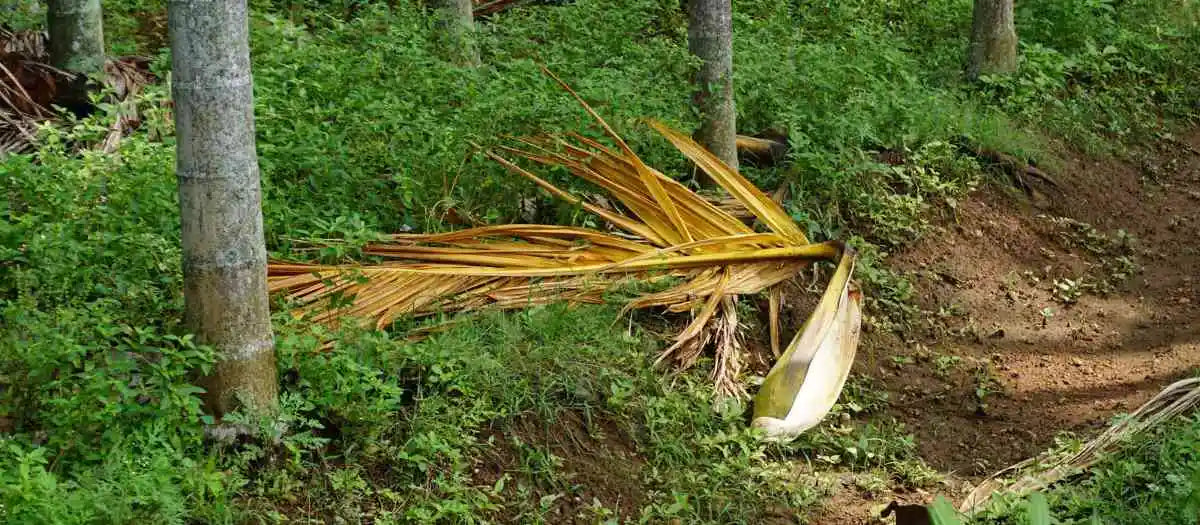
(1032, 327)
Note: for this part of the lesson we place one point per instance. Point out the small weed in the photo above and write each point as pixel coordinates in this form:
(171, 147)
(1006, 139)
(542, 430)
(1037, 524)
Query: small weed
(914, 474)
(1010, 282)
(862, 396)
(944, 364)
(1068, 291)
(1116, 253)
(986, 385)
(596, 512)
(1047, 313)
(888, 294)
(951, 310)
(1031, 277)
(1117, 270)
(1079, 234)
(899, 361)
(872, 483)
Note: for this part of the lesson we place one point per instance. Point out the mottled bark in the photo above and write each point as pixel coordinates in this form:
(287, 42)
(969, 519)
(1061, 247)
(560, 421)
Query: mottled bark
(220, 201)
(710, 38)
(454, 29)
(76, 30)
(993, 47)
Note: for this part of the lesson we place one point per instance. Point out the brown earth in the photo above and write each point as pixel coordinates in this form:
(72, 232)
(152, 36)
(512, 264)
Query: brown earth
(983, 280)
(597, 459)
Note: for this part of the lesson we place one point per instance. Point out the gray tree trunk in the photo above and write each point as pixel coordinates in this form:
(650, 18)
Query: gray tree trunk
(993, 39)
(76, 30)
(220, 201)
(454, 28)
(710, 38)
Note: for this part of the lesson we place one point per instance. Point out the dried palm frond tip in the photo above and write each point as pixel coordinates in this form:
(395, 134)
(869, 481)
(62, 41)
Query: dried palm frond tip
(665, 232)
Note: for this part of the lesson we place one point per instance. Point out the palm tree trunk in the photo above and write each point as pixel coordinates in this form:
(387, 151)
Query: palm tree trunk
(454, 28)
(710, 38)
(993, 39)
(220, 201)
(76, 30)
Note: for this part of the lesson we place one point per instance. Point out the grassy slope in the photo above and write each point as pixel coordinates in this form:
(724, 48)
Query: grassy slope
(361, 130)
(1155, 478)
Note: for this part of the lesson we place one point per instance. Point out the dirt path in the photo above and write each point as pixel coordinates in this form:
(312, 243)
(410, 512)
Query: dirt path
(1000, 362)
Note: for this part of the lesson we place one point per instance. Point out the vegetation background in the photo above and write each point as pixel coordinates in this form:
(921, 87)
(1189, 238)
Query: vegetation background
(363, 129)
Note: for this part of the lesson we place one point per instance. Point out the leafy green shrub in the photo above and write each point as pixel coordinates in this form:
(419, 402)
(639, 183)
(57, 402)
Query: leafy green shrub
(421, 412)
(1067, 25)
(105, 422)
(363, 130)
(1094, 71)
(99, 419)
(85, 227)
(143, 483)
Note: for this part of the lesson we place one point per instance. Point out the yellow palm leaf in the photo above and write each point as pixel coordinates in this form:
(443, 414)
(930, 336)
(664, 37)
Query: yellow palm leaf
(672, 233)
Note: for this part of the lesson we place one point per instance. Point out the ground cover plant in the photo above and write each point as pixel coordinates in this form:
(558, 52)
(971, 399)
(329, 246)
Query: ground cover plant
(363, 129)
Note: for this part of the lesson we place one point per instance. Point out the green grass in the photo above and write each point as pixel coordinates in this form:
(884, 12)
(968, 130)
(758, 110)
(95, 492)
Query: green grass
(102, 422)
(1154, 478)
(361, 130)
(386, 429)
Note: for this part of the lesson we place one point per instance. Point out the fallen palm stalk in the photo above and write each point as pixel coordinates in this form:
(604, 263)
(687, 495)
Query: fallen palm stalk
(1036, 473)
(667, 233)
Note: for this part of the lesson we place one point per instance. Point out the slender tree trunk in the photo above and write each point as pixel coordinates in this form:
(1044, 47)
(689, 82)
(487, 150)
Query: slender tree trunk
(76, 45)
(220, 201)
(454, 27)
(710, 37)
(76, 30)
(993, 39)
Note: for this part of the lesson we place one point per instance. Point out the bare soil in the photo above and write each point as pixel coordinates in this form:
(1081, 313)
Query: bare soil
(598, 463)
(998, 364)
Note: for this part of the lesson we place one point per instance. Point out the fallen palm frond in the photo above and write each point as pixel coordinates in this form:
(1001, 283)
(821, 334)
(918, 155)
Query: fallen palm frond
(125, 76)
(27, 87)
(28, 44)
(666, 233)
(30, 87)
(1034, 474)
(768, 150)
